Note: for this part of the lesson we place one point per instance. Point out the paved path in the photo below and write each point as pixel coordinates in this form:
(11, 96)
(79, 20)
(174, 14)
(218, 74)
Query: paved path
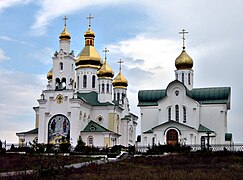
(76, 166)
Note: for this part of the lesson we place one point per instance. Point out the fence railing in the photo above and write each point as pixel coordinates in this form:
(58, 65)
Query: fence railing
(198, 147)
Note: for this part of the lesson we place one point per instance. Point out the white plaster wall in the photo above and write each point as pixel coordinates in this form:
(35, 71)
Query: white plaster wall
(213, 117)
(149, 117)
(89, 72)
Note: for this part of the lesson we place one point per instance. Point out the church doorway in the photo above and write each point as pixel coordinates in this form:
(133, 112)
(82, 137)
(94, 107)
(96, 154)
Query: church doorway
(58, 130)
(172, 137)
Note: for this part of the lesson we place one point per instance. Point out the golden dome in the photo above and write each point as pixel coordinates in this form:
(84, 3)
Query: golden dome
(184, 61)
(50, 74)
(88, 57)
(89, 32)
(105, 71)
(65, 35)
(120, 81)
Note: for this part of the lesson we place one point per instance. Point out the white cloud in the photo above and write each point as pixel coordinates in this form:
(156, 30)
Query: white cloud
(43, 55)
(8, 3)
(18, 93)
(3, 56)
(7, 38)
(55, 8)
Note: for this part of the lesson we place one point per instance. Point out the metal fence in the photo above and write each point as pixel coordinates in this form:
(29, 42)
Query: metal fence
(198, 147)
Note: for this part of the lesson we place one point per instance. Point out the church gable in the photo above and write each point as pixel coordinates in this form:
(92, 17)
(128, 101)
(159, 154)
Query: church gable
(94, 127)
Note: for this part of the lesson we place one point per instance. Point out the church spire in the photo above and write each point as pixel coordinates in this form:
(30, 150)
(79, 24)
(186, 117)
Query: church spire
(65, 35)
(184, 64)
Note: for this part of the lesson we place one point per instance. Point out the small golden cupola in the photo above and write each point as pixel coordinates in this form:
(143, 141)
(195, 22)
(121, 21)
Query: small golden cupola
(120, 81)
(65, 35)
(88, 57)
(105, 71)
(50, 74)
(183, 61)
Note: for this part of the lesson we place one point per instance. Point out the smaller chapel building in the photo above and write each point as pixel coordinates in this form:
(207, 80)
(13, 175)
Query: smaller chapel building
(83, 100)
(182, 114)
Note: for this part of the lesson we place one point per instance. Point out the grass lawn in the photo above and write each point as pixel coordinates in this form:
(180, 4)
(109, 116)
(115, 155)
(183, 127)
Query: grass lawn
(174, 166)
(18, 162)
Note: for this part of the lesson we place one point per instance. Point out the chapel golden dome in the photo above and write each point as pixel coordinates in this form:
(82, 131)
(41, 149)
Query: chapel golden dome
(88, 57)
(50, 74)
(120, 81)
(105, 71)
(184, 61)
(65, 35)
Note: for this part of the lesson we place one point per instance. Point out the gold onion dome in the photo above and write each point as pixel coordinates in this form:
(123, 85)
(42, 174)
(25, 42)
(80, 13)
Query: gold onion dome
(89, 57)
(49, 74)
(120, 81)
(184, 61)
(65, 35)
(105, 71)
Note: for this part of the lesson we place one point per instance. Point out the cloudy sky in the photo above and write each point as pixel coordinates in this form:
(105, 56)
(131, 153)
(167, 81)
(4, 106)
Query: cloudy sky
(143, 33)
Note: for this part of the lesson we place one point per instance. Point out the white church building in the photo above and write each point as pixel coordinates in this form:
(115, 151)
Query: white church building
(184, 114)
(83, 100)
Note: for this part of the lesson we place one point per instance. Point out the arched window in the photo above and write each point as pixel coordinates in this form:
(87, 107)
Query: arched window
(84, 81)
(90, 141)
(61, 66)
(176, 76)
(78, 82)
(169, 113)
(189, 78)
(107, 88)
(184, 114)
(118, 96)
(93, 81)
(177, 113)
(103, 88)
(182, 78)
(58, 83)
(114, 96)
(64, 83)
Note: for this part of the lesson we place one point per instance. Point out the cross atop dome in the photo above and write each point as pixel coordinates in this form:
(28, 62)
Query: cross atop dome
(183, 32)
(89, 19)
(120, 62)
(106, 51)
(65, 20)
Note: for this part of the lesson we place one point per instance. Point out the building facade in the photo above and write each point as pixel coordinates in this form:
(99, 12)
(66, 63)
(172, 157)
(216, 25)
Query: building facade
(182, 114)
(83, 100)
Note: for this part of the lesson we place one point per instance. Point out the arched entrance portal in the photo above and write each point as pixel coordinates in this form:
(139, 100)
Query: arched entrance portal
(58, 129)
(172, 137)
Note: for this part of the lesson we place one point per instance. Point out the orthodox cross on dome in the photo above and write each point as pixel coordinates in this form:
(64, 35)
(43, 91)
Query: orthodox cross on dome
(65, 20)
(120, 62)
(106, 51)
(183, 32)
(89, 18)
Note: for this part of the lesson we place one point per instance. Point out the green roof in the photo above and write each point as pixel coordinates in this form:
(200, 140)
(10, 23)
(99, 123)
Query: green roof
(94, 127)
(92, 99)
(202, 128)
(215, 95)
(33, 131)
(228, 136)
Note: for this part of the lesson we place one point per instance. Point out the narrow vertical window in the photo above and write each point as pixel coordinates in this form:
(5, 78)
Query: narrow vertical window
(184, 114)
(61, 66)
(90, 140)
(78, 82)
(169, 113)
(84, 81)
(118, 96)
(114, 96)
(107, 88)
(176, 76)
(99, 88)
(177, 113)
(103, 88)
(93, 81)
(182, 78)
(189, 79)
